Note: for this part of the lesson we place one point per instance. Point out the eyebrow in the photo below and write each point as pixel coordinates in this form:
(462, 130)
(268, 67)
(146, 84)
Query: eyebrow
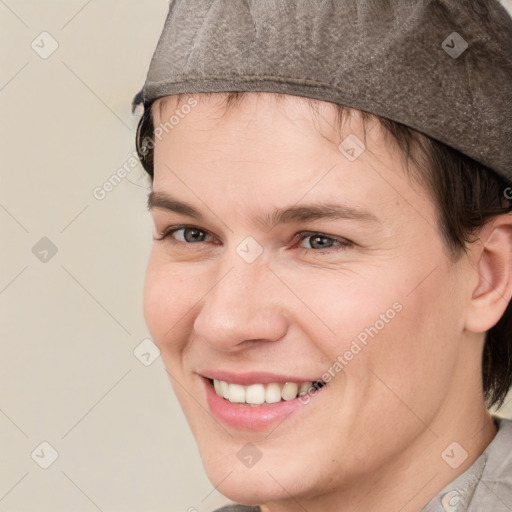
(291, 214)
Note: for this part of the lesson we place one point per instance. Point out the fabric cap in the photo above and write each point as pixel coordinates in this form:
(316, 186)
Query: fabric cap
(442, 67)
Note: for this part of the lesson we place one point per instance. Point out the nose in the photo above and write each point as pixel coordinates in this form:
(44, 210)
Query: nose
(247, 303)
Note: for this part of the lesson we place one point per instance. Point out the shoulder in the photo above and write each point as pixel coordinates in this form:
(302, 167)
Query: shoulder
(494, 492)
(499, 451)
(503, 442)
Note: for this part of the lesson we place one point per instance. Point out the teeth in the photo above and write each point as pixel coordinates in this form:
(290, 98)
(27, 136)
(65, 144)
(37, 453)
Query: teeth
(272, 393)
(236, 393)
(224, 389)
(257, 394)
(305, 388)
(289, 391)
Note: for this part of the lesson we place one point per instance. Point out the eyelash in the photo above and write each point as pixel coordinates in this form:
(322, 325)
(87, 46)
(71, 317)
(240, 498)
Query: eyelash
(343, 243)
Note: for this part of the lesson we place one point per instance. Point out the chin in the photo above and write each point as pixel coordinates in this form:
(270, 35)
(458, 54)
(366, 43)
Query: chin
(246, 487)
(267, 481)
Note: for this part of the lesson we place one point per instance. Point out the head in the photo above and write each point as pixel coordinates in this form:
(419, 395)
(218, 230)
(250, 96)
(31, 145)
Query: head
(399, 303)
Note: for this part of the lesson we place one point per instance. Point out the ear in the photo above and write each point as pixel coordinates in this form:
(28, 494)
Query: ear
(492, 260)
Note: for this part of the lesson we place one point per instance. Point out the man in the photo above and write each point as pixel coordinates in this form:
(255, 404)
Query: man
(330, 280)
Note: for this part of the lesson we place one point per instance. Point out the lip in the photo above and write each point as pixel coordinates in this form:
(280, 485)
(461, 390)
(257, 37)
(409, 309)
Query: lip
(244, 417)
(246, 379)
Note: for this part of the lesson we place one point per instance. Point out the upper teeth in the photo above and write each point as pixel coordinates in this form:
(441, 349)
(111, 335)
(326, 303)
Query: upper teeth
(257, 394)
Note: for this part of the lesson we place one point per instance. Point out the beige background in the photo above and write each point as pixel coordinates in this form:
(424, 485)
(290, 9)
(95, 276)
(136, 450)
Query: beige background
(70, 321)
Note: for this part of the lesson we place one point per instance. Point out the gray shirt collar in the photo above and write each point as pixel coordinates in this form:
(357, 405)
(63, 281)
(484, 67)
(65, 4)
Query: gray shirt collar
(487, 484)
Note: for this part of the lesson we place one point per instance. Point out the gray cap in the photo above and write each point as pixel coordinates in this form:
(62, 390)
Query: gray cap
(442, 67)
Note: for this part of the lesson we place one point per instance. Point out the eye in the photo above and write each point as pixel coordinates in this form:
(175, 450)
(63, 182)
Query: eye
(319, 241)
(188, 235)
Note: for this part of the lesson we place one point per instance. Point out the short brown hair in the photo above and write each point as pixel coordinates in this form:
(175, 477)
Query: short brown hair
(467, 195)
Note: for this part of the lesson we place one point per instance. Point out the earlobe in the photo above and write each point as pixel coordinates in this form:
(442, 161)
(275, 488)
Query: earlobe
(493, 265)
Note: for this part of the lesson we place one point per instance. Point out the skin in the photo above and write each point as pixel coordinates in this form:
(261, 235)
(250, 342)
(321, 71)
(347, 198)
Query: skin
(372, 439)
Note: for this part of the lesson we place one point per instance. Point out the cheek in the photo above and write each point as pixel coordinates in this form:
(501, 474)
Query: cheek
(377, 323)
(170, 292)
(410, 361)
(343, 312)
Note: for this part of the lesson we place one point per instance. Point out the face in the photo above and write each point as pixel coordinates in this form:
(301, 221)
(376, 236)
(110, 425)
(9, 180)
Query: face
(264, 287)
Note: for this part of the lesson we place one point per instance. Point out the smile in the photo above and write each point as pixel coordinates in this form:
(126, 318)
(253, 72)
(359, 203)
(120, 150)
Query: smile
(259, 394)
(259, 400)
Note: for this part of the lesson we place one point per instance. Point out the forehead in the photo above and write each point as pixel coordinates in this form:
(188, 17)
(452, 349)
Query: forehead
(328, 119)
(273, 152)
(266, 126)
